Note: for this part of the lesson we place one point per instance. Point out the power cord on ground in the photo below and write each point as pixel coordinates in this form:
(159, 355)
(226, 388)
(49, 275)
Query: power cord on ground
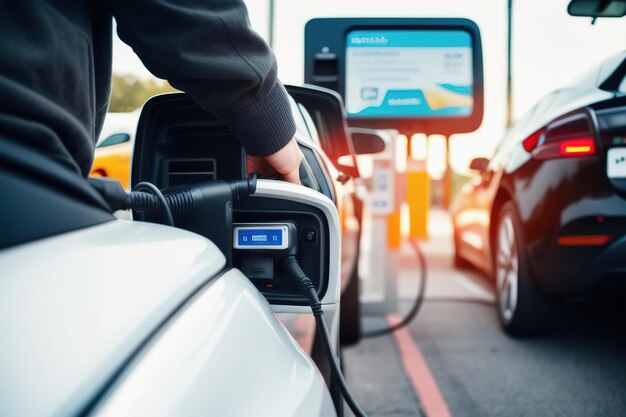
(419, 299)
(417, 303)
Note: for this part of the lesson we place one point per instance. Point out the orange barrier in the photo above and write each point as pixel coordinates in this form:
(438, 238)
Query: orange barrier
(418, 198)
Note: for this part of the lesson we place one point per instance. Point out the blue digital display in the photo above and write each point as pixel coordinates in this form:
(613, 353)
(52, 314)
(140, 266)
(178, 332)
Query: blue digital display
(259, 237)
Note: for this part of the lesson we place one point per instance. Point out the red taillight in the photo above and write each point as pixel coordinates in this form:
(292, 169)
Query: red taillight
(578, 147)
(550, 148)
(570, 136)
(532, 141)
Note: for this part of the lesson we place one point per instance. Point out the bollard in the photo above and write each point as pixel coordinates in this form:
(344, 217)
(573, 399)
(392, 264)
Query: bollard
(418, 198)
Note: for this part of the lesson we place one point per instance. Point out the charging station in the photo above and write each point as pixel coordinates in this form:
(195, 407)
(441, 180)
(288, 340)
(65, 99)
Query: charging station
(408, 75)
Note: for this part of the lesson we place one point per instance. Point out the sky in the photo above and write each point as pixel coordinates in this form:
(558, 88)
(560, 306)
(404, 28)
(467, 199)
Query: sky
(550, 48)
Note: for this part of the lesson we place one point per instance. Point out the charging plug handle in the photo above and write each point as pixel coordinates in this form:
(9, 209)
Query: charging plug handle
(180, 200)
(188, 199)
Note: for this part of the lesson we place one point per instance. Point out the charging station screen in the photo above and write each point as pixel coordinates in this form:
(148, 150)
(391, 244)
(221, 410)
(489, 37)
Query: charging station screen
(409, 73)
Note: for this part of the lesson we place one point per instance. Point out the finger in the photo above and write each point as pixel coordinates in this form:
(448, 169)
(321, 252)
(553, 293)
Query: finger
(259, 166)
(293, 176)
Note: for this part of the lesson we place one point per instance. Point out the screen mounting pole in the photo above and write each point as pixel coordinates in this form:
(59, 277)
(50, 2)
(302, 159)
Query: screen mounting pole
(509, 86)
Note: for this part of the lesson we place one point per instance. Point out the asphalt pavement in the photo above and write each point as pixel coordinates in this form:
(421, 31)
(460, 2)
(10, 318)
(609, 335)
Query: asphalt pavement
(454, 359)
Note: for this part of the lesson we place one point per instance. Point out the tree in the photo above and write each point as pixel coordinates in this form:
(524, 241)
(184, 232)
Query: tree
(129, 93)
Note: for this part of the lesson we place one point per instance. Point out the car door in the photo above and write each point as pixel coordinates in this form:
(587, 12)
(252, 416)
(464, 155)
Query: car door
(472, 218)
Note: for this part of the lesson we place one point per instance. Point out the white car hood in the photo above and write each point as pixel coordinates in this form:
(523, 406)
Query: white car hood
(73, 308)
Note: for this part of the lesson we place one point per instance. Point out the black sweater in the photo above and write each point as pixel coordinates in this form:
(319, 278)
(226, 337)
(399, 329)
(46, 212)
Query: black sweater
(55, 70)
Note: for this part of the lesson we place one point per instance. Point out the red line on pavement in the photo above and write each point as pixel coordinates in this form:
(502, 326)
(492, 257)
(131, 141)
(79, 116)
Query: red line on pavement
(418, 372)
(305, 332)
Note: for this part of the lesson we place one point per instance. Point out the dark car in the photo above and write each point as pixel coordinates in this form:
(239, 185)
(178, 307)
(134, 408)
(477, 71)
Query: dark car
(546, 216)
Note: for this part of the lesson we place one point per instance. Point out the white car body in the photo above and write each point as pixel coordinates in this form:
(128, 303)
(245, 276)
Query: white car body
(131, 318)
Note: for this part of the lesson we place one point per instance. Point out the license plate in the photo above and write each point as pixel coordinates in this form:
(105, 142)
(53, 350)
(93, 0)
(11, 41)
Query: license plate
(616, 163)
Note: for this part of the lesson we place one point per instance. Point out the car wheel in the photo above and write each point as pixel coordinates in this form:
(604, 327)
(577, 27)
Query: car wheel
(522, 309)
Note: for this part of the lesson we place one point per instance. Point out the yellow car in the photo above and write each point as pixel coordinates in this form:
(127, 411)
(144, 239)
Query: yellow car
(115, 147)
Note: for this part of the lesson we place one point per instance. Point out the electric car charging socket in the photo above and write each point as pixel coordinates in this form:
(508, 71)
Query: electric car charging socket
(259, 248)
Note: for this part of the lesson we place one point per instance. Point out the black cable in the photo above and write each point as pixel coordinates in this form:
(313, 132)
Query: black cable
(417, 304)
(152, 189)
(142, 201)
(308, 290)
(322, 329)
(179, 201)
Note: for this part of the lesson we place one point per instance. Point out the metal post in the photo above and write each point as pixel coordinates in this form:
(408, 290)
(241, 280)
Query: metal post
(270, 36)
(380, 287)
(447, 177)
(509, 86)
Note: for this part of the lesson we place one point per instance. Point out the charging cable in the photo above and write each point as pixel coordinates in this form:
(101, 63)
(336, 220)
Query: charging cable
(177, 201)
(419, 299)
(290, 264)
(136, 198)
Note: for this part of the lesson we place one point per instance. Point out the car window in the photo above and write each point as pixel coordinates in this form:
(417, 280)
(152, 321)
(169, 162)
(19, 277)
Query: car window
(114, 139)
(611, 66)
(498, 153)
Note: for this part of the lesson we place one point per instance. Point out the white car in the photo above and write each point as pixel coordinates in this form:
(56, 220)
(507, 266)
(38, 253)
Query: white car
(102, 316)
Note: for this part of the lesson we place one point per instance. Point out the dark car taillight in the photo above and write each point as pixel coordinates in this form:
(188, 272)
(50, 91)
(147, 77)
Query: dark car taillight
(568, 137)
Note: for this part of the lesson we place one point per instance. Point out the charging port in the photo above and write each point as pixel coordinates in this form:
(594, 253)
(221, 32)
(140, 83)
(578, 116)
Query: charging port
(258, 247)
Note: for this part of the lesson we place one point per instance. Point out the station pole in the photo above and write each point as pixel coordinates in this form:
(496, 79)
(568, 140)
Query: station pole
(270, 36)
(509, 85)
(447, 176)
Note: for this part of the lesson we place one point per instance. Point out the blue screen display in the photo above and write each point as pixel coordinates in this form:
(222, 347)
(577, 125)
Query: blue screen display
(259, 237)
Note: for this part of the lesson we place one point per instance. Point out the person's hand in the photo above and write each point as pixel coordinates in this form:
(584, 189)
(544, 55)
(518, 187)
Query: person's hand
(285, 162)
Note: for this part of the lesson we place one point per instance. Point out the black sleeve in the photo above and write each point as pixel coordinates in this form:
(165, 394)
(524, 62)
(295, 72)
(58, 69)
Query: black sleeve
(208, 49)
